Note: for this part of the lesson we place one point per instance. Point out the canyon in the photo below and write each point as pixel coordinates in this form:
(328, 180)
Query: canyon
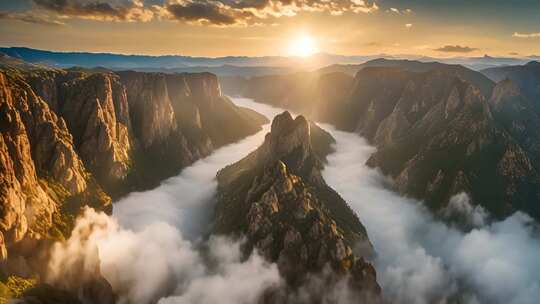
(209, 191)
(73, 139)
(440, 130)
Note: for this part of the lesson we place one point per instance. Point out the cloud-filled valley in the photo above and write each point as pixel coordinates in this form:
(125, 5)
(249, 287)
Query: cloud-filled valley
(155, 247)
(423, 260)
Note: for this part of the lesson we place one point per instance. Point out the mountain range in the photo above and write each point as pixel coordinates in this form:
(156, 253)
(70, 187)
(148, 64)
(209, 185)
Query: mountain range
(233, 65)
(440, 130)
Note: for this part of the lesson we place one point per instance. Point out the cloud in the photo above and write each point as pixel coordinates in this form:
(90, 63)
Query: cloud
(526, 35)
(460, 208)
(456, 49)
(112, 10)
(157, 263)
(215, 12)
(31, 17)
(419, 259)
(153, 249)
(422, 260)
(398, 11)
(250, 12)
(203, 12)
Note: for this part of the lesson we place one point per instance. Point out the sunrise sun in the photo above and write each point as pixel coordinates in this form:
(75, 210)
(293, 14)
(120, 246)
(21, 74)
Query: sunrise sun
(302, 46)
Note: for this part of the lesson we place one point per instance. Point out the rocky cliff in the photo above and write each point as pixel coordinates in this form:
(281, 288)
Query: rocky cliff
(439, 130)
(277, 199)
(441, 138)
(179, 118)
(74, 138)
(44, 181)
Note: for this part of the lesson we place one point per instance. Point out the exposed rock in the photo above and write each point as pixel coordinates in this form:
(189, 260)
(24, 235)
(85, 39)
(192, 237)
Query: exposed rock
(96, 112)
(435, 130)
(40, 171)
(67, 134)
(195, 114)
(277, 198)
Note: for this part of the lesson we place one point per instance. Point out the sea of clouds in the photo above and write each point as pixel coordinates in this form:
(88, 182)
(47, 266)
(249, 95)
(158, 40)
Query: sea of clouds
(423, 260)
(153, 248)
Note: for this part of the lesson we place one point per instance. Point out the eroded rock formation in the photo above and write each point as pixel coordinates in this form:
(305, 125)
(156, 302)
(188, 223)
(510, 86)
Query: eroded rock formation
(277, 198)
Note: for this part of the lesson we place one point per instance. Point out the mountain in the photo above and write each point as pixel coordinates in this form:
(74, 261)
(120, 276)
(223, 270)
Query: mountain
(482, 82)
(439, 129)
(478, 63)
(119, 61)
(439, 138)
(71, 139)
(526, 77)
(320, 94)
(277, 199)
(225, 70)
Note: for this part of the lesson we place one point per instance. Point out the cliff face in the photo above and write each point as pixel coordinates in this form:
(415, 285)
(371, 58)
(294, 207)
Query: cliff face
(277, 198)
(441, 138)
(439, 131)
(70, 139)
(179, 118)
(134, 129)
(95, 109)
(42, 175)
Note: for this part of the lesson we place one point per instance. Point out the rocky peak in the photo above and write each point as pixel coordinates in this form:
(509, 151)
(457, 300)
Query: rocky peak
(277, 199)
(288, 135)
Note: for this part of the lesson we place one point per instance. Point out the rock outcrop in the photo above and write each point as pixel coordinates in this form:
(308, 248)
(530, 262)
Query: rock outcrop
(441, 139)
(277, 199)
(42, 176)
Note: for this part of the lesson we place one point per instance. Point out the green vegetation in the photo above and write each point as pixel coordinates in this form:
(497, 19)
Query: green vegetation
(14, 287)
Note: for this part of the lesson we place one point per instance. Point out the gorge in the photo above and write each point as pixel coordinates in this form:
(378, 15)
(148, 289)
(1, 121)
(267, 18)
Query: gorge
(193, 232)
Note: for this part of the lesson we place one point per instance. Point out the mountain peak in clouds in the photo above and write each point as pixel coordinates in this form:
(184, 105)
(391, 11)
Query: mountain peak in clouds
(276, 198)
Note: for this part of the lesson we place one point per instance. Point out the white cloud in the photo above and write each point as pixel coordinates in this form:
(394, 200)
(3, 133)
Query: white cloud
(394, 10)
(526, 35)
(460, 207)
(421, 260)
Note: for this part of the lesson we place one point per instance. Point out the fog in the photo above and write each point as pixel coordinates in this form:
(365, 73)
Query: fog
(422, 260)
(153, 248)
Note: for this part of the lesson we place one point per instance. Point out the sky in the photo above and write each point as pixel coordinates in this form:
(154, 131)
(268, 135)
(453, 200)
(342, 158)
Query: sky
(438, 28)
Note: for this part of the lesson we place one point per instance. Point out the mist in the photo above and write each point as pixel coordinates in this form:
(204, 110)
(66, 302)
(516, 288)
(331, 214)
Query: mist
(153, 248)
(422, 260)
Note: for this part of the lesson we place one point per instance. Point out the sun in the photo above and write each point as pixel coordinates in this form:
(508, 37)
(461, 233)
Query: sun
(303, 46)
